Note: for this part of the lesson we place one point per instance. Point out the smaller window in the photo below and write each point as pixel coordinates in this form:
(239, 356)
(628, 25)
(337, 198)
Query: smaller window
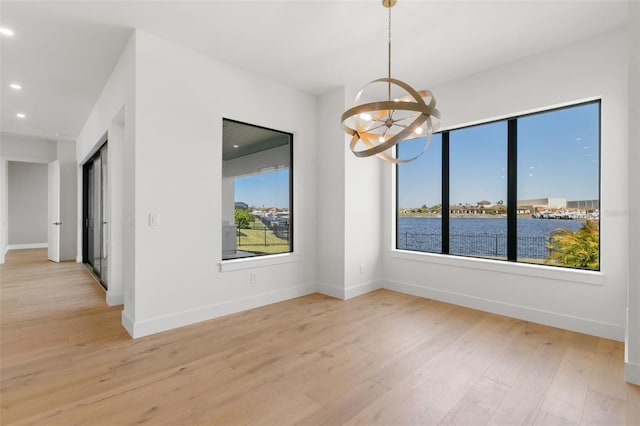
(257, 214)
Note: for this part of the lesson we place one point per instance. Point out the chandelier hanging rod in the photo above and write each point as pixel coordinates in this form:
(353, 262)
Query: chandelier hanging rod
(381, 125)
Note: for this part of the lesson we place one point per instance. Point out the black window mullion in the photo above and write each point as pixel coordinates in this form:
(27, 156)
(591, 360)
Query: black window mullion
(512, 190)
(291, 210)
(445, 193)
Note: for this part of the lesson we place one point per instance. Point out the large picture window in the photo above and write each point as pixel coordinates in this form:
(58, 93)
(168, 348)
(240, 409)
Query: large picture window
(257, 214)
(525, 189)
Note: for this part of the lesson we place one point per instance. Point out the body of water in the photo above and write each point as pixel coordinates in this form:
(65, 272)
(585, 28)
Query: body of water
(479, 237)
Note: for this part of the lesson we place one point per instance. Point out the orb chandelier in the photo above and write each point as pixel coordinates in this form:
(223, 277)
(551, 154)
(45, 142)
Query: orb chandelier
(403, 114)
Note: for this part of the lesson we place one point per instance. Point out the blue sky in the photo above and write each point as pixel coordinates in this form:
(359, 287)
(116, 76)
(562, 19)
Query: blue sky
(557, 157)
(270, 189)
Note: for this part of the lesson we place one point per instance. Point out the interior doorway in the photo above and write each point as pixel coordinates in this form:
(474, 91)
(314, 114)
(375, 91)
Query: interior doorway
(95, 241)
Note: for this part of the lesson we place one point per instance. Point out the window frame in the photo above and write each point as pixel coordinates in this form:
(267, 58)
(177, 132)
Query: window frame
(512, 193)
(274, 258)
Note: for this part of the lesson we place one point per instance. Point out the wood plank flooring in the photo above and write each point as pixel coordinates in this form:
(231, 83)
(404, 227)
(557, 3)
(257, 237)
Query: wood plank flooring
(384, 358)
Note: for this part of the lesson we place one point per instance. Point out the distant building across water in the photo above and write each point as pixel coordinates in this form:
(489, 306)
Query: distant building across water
(584, 205)
(558, 203)
(552, 203)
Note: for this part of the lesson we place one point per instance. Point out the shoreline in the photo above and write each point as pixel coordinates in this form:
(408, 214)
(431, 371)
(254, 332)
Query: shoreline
(465, 216)
(484, 216)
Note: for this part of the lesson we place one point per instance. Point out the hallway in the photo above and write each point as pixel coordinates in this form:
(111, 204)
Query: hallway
(53, 316)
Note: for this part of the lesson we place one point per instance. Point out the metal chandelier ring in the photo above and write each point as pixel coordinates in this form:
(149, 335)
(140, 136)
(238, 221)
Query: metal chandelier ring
(413, 102)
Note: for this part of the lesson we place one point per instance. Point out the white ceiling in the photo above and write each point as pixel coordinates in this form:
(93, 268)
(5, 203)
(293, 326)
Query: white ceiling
(63, 52)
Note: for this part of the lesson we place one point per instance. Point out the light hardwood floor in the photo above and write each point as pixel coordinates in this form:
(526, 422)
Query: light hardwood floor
(383, 358)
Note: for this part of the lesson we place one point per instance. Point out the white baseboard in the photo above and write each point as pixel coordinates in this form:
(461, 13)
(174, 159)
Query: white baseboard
(360, 289)
(632, 373)
(127, 323)
(115, 299)
(156, 325)
(349, 292)
(26, 246)
(332, 290)
(581, 325)
(553, 319)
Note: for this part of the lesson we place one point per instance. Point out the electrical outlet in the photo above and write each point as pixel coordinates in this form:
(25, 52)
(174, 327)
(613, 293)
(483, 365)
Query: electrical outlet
(252, 278)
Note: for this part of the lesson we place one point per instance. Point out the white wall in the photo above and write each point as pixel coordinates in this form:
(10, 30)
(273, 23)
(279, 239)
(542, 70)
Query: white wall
(4, 208)
(27, 149)
(30, 150)
(632, 340)
(27, 204)
(363, 216)
(113, 117)
(590, 302)
(17, 148)
(181, 99)
(331, 195)
(115, 214)
(66, 154)
(350, 196)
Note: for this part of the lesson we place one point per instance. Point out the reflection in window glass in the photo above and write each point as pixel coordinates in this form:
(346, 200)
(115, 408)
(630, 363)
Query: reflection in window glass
(256, 191)
(419, 203)
(478, 191)
(558, 187)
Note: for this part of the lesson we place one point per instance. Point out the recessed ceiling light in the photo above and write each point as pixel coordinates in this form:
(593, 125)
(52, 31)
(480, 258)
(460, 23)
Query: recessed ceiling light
(21, 115)
(236, 146)
(15, 86)
(6, 31)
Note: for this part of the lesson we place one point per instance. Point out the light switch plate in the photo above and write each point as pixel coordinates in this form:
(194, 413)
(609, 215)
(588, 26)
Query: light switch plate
(154, 219)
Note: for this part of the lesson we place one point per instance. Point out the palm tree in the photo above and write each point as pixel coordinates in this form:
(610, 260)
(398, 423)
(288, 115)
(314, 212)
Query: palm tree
(580, 249)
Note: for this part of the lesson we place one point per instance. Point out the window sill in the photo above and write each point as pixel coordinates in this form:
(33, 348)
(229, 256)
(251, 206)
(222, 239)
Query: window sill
(526, 269)
(257, 262)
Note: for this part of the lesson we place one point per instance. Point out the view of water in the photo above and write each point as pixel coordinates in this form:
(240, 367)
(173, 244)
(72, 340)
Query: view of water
(479, 237)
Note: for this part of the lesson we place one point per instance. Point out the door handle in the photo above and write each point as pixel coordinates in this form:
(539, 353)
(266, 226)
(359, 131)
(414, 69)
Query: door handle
(57, 223)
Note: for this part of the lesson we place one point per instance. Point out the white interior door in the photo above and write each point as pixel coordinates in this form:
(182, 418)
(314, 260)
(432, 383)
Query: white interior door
(54, 211)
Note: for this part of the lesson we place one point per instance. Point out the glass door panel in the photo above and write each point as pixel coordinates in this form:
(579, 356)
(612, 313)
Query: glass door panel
(104, 222)
(95, 205)
(89, 219)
